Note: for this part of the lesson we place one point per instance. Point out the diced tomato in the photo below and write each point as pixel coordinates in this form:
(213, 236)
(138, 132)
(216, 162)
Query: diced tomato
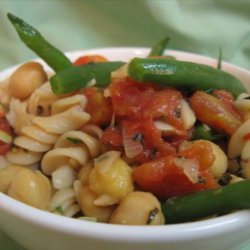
(224, 95)
(247, 137)
(228, 99)
(140, 105)
(129, 97)
(159, 146)
(2, 111)
(165, 106)
(98, 106)
(89, 59)
(200, 150)
(112, 137)
(215, 112)
(166, 179)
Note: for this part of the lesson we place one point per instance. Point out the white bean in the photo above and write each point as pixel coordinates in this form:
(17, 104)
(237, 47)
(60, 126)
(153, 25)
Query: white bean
(6, 174)
(112, 178)
(220, 163)
(89, 209)
(26, 79)
(30, 187)
(246, 168)
(138, 208)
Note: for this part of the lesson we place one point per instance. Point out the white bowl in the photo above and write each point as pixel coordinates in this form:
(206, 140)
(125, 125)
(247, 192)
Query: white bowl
(39, 230)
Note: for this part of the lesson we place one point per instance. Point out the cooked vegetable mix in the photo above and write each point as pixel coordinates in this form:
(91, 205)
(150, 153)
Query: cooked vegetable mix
(151, 141)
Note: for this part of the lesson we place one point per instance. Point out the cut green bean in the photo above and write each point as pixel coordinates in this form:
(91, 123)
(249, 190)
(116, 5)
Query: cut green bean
(202, 131)
(36, 42)
(207, 203)
(158, 48)
(77, 77)
(181, 74)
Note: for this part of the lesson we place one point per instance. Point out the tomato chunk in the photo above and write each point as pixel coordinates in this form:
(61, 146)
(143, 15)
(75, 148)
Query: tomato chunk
(112, 138)
(215, 112)
(165, 178)
(141, 105)
(89, 59)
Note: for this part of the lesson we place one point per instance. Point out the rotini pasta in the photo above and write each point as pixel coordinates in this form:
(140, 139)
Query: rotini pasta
(242, 104)
(40, 136)
(73, 149)
(18, 116)
(63, 177)
(39, 103)
(64, 202)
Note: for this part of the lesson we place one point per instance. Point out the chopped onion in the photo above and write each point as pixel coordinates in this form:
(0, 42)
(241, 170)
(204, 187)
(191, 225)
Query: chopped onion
(190, 168)
(91, 83)
(132, 147)
(163, 126)
(187, 115)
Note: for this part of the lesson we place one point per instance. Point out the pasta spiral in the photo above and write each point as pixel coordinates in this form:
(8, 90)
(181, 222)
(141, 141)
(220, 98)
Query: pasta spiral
(39, 137)
(73, 149)
(64, 202)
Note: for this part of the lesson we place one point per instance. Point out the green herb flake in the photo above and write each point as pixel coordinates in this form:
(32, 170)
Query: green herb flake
(138, 137)
(152, 214)
(59, 210)
(74, 140)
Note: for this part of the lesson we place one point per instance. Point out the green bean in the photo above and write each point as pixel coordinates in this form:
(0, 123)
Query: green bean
(77, 77)
(207, 203)
(181, 74)
(158, 48)
(36, 42)
(202, 131)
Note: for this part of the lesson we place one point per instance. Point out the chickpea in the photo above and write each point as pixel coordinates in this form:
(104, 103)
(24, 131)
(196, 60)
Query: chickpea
(87, 199)
(6, 174)
(246, 169)
(114, 180)
(83, 174)
(220, 163)
(31, 187)
(138, 208)
(26, 79)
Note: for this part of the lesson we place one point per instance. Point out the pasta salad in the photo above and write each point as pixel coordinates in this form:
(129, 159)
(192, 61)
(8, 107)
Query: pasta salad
(151, 141)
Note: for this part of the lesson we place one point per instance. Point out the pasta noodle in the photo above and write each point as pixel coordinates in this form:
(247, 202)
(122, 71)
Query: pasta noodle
(63, 177)
(73, 149)
(18, 116)
(64, 202)
(40, 136)
(40, 101)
